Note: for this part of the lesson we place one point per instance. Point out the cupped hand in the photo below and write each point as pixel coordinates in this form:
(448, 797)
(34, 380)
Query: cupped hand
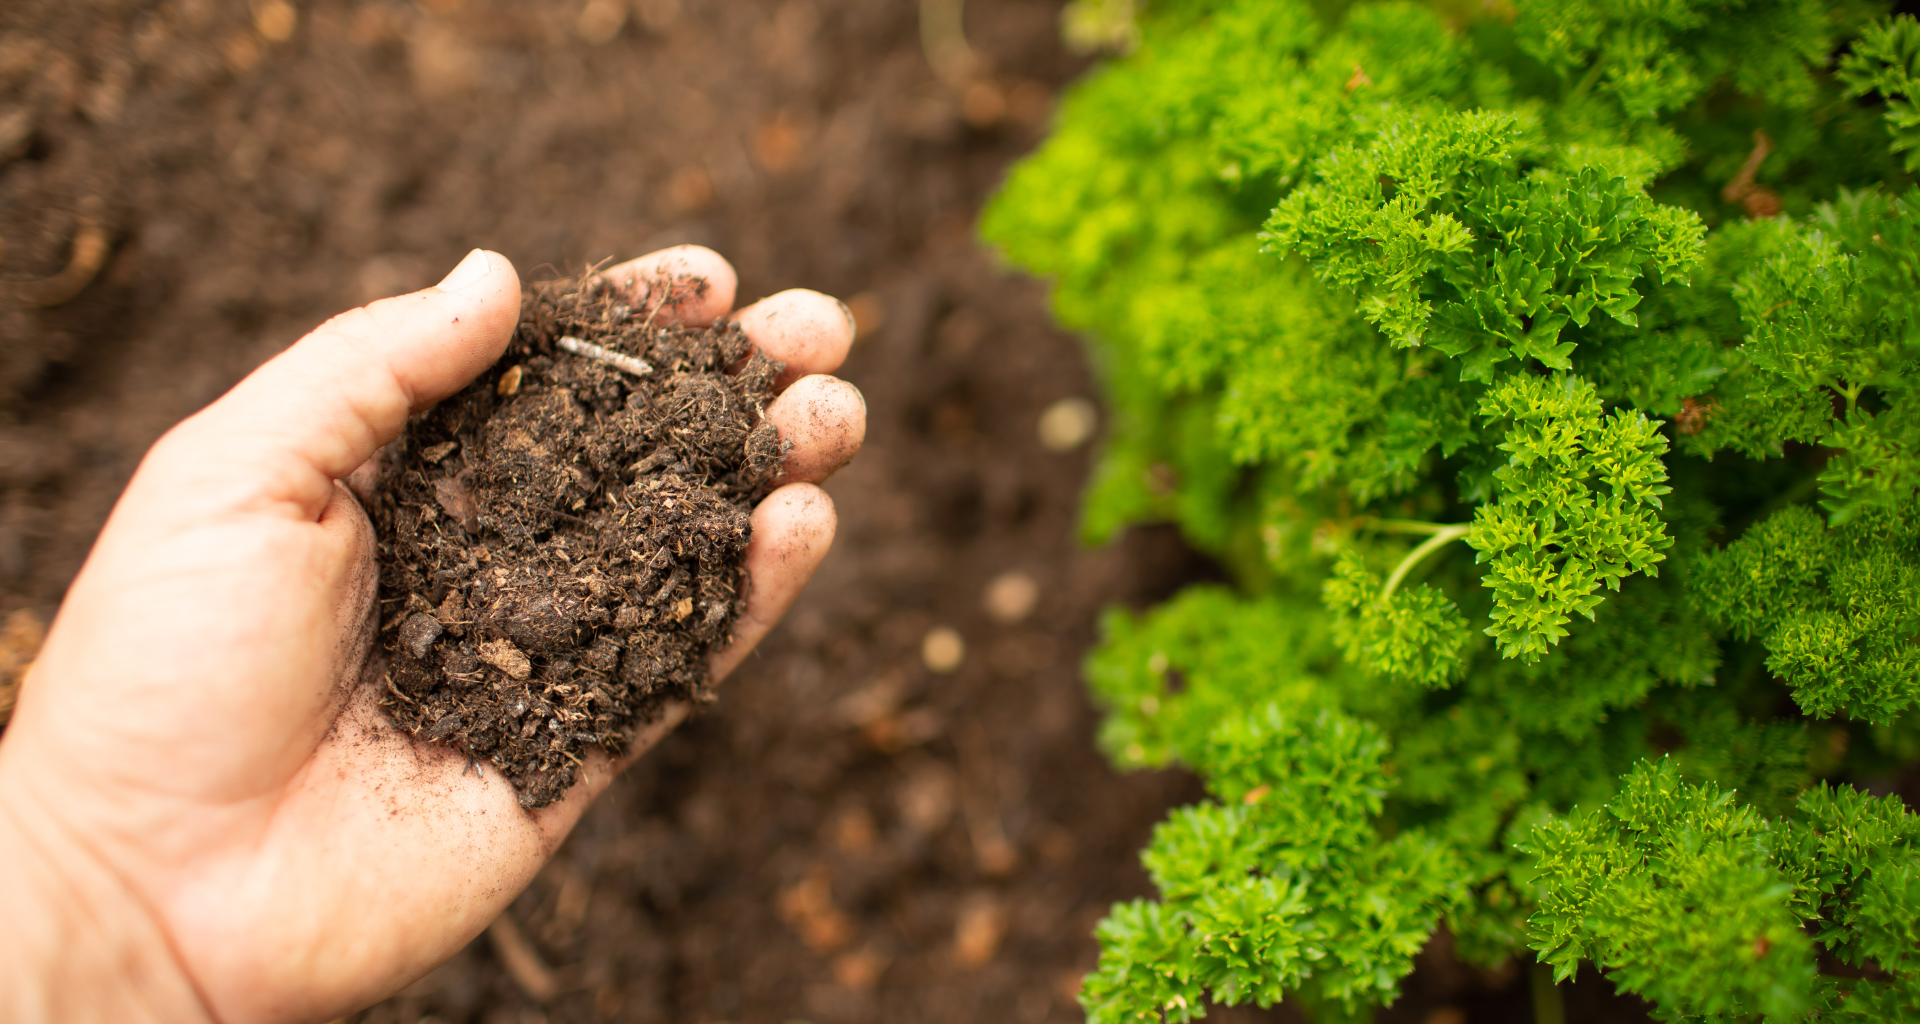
(203, 812)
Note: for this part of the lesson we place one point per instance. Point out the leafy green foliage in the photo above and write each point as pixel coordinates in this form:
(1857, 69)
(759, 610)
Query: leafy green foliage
(1856, 857)
(1886, 61)
(1578, 507)
(1448, 243)
(1673, 890)
(1711, 910)
(1280, 883)
(1415, 635)
(1093, 25)
(1834, 310)
(1837, 608)
(1364, 280)
(1166, 679)
(1652, 59)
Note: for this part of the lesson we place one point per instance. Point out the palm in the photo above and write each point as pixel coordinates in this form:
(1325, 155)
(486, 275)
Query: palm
(205, 712)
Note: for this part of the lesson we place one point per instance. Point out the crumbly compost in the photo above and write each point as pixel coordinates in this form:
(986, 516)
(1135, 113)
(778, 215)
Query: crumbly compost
(561, 542)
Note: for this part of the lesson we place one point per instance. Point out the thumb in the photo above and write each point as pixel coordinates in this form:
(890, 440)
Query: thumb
(276, 442)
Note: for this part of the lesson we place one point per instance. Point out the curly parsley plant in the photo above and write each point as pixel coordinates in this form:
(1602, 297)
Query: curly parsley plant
(1548, 377)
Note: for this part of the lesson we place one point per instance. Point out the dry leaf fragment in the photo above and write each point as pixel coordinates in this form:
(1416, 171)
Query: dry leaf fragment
(454, 499)
(503, 655)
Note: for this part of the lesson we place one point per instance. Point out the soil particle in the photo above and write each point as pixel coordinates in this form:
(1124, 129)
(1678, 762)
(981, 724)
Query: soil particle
(561, 542)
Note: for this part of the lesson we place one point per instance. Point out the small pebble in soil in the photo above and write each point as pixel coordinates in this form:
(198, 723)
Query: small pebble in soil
(1011, 597)
(859, 970)
(978, 929)
(942, 649)
(854, 831)
(1067, 424)
(275, 20)
(925, 797)
(599, 21)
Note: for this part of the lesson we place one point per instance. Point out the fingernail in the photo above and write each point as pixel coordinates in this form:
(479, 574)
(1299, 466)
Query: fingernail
(853, 324)
(470, 271)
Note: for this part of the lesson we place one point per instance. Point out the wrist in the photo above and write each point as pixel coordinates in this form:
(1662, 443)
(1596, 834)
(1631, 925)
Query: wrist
(78, 944)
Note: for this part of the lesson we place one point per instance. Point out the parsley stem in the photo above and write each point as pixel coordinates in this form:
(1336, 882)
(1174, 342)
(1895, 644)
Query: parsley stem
(1549, 1004)
(1586, 81)
(1441, 538)
(1410, 526)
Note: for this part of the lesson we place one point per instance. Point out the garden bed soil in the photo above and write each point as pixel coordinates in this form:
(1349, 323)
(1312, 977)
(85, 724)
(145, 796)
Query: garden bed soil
(849, 835)
(561, 542)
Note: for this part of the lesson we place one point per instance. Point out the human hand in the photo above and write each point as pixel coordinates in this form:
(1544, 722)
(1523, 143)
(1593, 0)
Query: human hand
(203, 814)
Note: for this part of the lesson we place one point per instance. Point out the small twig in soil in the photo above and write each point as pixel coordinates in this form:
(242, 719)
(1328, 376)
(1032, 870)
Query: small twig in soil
(665, 286)
(396, 690)
(638, 368)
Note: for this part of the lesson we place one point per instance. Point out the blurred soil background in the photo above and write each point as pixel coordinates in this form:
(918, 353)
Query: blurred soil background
(896, 812)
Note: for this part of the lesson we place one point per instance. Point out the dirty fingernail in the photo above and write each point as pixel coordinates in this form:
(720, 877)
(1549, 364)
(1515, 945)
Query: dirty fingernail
(470, 271)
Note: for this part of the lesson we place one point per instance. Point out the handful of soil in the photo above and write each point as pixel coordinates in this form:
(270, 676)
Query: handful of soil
(560, 543)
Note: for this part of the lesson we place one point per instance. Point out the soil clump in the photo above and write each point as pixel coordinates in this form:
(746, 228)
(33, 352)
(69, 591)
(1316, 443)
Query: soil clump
(561, 542)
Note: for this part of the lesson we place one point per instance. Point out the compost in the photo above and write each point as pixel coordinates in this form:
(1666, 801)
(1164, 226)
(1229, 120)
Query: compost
(561, 542)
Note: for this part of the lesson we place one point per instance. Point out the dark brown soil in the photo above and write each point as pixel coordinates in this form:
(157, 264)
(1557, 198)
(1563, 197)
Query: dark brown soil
(848, 837)
(561, 542)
